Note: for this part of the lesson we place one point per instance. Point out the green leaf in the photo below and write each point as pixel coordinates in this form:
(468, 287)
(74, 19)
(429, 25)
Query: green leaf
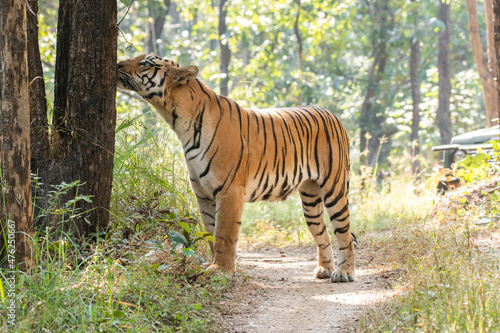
(60, 244)
(480, 158)
(126, 2)
(178, 237)
(2, 294)
(188, 252)
(119, 314)
(205, 235)
(185, 226)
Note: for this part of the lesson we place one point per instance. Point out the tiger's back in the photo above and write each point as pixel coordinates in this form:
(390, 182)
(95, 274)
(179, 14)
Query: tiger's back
(289, 146)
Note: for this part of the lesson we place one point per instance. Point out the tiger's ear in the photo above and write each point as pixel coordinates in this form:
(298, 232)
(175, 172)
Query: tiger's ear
(184, 74)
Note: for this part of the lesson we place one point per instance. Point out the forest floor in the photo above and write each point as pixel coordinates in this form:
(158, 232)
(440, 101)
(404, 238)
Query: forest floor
(274, 291)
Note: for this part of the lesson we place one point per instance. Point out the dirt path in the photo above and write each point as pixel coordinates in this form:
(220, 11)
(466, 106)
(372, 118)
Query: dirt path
(275, 292)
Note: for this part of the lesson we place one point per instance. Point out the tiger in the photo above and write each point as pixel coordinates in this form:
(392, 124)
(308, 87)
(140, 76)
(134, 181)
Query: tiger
(236, 155)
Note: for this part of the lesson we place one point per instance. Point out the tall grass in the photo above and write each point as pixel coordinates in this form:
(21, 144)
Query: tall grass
(450, 286)
(149, 166)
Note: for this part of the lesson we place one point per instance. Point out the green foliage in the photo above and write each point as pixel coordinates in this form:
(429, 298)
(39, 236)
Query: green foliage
(187, 240)
(101, 295)
(479, 166)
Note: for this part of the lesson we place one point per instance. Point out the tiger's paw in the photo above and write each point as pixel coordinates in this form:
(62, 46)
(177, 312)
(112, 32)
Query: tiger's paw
(341, 276)
(322, 272)
(217, 268)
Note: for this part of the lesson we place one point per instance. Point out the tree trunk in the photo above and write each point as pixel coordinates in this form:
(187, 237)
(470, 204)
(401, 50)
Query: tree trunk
(297, 34)
(486, 73)
(496, 29)
(415, 93)
(38, 102)
(372, 116)
(225, 53)
(15, 193)
(84, 114)
(159, 16)
(443, 111)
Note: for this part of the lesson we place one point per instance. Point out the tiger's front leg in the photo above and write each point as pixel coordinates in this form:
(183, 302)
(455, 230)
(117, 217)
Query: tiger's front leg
(229, 208)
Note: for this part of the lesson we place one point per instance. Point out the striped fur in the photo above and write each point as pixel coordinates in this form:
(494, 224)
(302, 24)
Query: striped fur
(236, 155)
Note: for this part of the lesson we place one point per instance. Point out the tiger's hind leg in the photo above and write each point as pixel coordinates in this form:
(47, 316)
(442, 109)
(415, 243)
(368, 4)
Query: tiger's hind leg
(337, 205)
(312, 205)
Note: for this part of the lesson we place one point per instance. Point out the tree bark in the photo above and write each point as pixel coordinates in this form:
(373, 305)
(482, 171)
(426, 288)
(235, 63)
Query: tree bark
(38, 102)
(225, 53)
(443, 117)
(484, 68)
(415, 93)
(84, 114)
(15, 193)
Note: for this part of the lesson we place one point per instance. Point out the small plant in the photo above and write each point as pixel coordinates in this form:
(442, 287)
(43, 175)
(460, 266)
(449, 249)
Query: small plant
(188, 239)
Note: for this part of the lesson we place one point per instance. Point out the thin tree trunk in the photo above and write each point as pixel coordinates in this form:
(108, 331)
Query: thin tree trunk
(159, 15)
(15, 193)
(415, 93)
(443, 118)
(225, 53)
(297, 34)
(496, 43)
(82, 142)
(371, 118)
(484, 69)
(38, 101)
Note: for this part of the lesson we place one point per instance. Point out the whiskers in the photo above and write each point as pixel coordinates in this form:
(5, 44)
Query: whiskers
(128, 82)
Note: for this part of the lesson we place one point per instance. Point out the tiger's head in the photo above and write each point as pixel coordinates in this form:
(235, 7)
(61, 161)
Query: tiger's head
(153, 77)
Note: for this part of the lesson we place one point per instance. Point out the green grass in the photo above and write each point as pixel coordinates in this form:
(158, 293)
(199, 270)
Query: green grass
(450, 286)
(108, 286)
(98, 294)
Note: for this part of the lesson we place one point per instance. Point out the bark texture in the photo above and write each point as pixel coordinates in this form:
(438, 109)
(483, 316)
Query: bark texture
(82, 140)
(225, 53)
(443, 118)
(38, 102)
(484, 67)
(15, 207)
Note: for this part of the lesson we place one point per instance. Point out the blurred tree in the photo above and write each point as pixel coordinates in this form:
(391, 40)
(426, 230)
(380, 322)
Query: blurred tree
(485, 66)
(443, 110)
(415, 89)
(225, 52)
(372, 118)
(496, 43)
(158, 12)
(15, 209)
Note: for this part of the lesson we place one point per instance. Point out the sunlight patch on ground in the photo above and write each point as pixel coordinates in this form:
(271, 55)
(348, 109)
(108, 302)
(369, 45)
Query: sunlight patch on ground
(360, 297)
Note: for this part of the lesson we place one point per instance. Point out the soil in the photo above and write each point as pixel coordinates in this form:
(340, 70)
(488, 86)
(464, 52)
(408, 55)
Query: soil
(274, 291)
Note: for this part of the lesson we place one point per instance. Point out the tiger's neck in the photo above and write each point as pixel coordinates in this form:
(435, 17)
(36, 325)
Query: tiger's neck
(190, 110)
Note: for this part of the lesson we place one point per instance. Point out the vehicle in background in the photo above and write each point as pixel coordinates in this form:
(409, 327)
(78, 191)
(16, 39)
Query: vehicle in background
(462, 145)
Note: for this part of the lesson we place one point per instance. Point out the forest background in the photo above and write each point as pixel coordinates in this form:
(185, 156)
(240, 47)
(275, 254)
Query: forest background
(402, 76)
(277, 54)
